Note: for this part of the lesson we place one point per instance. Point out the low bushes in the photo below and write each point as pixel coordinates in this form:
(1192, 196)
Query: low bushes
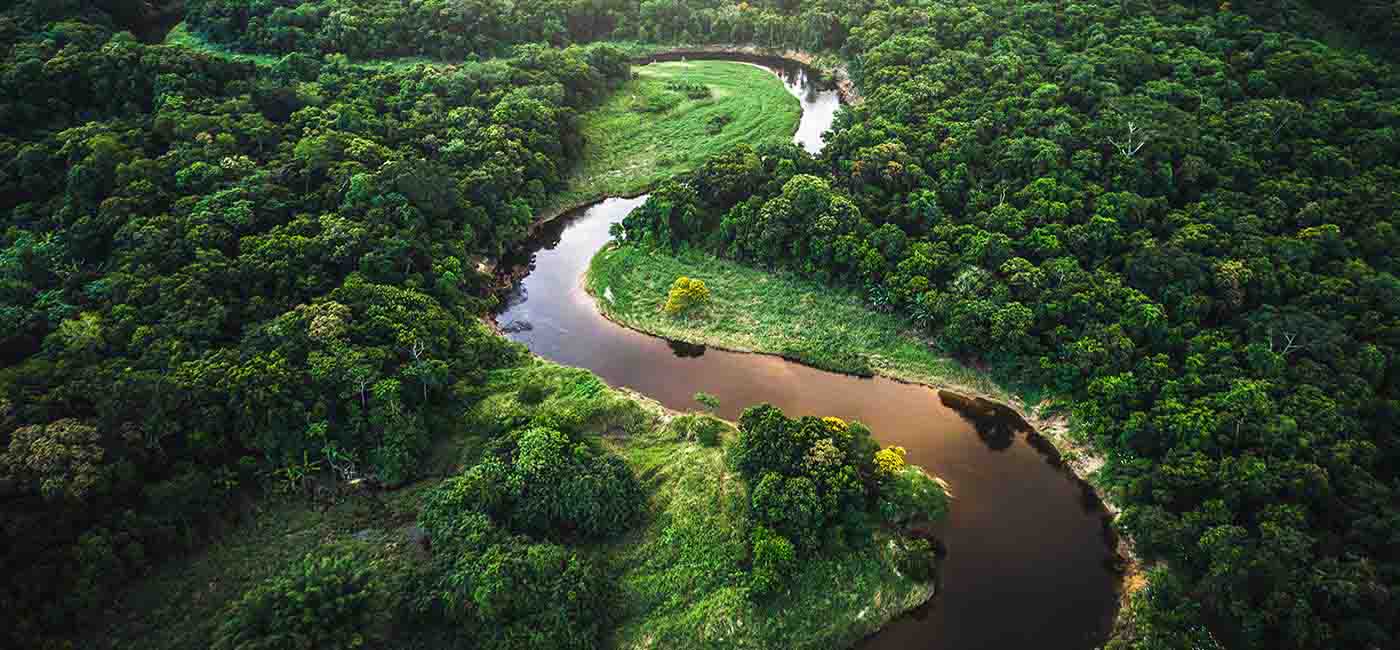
(503, 591)
(704, 429)
(910, 496)
(716, 123)
(691, 89)
(328, 599)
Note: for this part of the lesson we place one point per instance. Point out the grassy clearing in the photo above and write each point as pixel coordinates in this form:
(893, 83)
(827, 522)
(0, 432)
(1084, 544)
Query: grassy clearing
(680, 572)
(646, 132)
(776, 313)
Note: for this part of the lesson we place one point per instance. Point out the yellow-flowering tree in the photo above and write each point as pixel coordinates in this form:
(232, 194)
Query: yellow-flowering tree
(889, 461)
(686, 294)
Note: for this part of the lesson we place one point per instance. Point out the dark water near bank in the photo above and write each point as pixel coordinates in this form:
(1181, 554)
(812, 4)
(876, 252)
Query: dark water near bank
(1028, 563)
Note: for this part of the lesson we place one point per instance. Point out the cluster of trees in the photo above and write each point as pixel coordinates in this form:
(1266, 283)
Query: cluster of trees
(448, 29)
(813, 483)
(502, 573)
(1372, 23)
(506, 554)
(1180, 219)
(213, 273)
(459, 29)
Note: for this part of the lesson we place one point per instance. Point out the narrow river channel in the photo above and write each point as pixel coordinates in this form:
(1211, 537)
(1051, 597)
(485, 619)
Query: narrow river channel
(1028, 564)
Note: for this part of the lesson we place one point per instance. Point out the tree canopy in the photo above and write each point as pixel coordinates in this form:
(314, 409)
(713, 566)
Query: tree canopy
(1181, 219)
(219, 272)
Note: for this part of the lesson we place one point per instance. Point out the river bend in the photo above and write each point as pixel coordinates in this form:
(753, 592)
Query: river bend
(1029, 561)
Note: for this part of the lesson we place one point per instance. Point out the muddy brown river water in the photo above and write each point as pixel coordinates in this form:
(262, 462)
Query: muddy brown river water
(1029, 562)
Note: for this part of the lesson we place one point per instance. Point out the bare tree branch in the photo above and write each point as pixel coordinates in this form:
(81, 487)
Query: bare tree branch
(1132, 144)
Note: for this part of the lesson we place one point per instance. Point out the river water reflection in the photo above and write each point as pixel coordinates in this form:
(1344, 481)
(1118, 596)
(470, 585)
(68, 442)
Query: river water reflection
(1028, 561)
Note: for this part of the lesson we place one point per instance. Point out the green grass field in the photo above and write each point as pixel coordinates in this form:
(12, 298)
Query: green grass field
(646, 133)
(776, 313)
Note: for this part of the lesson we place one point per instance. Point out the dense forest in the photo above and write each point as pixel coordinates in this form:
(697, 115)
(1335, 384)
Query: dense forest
(219, 277)
(212, 270)
(1181, 220)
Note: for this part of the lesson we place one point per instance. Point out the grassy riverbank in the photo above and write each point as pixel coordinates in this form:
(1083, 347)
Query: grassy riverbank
(681, 574)
(649, 130)
(753, 310)
(776, 313)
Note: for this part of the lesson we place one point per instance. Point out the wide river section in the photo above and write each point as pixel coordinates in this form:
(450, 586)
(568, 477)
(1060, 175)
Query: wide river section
(1029, 562)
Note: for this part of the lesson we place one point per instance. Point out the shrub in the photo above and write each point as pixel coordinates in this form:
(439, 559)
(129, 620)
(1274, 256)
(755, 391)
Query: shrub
(691, 89)
(325, 600)
(716, 123)
(774, 559)
(917, 560)
(708, 401)
(699, 427)
(537, 481)
(532, 393)
(766, 443)
(791, 507)
(654, 101)
(686, 294)
(557, 486)
(480, 490)
(771, 442)
(520, 595)
(889, 461)
(708, 430)
(910, 495)
(505, 591)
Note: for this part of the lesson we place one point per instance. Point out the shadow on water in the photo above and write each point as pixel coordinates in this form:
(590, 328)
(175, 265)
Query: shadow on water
(686, 350)
(996, 425)
(1029, 554)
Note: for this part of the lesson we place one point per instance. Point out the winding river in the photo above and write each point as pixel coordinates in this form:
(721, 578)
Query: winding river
(1029, 561)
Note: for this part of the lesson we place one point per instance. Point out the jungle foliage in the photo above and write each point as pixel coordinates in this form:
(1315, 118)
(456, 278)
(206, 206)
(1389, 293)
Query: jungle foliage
(328, 599)
(812, 482)
(1181, 219)
(500, 574)
(459, 29)
(217, 274)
